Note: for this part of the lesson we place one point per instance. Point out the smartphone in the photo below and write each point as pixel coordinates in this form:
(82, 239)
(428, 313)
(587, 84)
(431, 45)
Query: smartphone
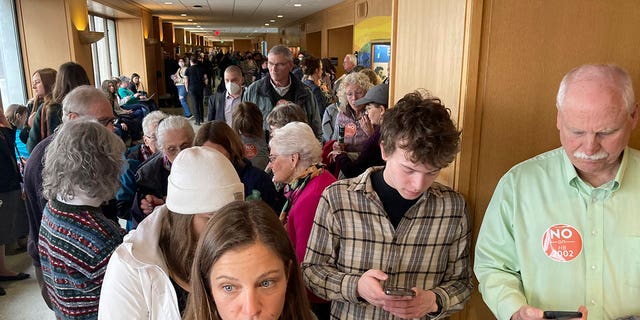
(399, 292)
(561, 314)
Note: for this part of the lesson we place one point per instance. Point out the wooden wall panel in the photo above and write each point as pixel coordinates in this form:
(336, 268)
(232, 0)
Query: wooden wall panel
(314, 43)
(49, 37)
(527, 46)
(428, 53)
(40, 48)
(272, 40)
(242, 45)
(340, 43)
(131, 51)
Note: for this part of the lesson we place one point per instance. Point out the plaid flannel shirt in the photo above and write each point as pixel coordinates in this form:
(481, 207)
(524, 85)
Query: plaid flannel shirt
(352, 234)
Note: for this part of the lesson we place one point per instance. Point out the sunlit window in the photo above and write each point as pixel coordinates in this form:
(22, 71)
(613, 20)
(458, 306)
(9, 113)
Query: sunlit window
(105, 52)
(12, 82)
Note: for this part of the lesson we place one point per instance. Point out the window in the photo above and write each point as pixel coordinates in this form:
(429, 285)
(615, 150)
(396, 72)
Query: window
(105, 51)
(12, 82)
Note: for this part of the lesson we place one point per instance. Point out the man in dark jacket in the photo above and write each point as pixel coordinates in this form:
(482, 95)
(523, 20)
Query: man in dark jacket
(196, 79)
(221, 104)
(282, 85)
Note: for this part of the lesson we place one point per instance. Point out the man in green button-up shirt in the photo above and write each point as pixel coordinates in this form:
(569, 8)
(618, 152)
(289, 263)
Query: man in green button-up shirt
(562, 231)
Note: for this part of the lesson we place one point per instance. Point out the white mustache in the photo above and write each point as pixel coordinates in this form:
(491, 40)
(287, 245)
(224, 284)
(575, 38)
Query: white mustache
(598, 156)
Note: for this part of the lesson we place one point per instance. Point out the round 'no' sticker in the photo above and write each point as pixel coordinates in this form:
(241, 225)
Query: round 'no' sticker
(562, 242)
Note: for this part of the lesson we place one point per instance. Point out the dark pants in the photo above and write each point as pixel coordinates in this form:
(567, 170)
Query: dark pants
(197, 104)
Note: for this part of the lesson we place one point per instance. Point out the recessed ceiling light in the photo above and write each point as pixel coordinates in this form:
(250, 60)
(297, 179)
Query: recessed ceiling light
(183, 14)
(272, 20)
(266, 24)
(189, 20)
(297, 5)
(168, 2)
(280, 16)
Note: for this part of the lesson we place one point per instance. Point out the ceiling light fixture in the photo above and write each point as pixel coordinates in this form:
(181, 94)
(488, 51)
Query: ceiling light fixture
(297, 5)
(189, 20)
(168, 2)
(266, 24)
(280, 16)
(183, 14)
(272, 20)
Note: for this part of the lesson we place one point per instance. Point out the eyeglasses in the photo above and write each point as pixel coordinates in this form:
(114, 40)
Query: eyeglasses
(103, 121)
(107, 121)
(277, 65)
(355, 93)
(150, 137)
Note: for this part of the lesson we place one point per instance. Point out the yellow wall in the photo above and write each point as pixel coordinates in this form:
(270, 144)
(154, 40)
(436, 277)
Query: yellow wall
(340, 15)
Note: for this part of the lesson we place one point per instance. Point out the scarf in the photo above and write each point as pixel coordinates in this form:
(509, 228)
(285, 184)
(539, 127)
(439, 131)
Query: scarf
(293, 189)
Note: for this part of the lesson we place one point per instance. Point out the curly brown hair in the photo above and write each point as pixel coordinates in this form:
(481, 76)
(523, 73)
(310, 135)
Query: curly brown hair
(421, 125)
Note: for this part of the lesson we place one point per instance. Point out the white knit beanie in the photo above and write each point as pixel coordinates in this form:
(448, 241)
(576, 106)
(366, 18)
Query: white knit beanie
(202, 180)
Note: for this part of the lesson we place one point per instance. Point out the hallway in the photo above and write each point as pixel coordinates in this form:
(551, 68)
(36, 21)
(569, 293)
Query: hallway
(23, 300)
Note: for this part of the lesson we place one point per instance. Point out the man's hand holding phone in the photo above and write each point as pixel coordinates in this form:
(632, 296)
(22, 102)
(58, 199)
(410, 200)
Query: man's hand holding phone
(412, 305)
(400, 292)
(530, 313)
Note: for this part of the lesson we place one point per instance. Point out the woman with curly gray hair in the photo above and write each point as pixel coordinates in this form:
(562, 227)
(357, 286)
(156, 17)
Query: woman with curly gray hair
(295, 160)
(81, 170)
(350, 121)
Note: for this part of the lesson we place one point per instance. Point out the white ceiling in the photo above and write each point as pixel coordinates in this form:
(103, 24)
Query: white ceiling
(233, 18)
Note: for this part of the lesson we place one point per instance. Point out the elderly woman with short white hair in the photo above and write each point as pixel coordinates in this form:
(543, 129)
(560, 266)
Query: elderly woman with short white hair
(173, 135)
(295, 160)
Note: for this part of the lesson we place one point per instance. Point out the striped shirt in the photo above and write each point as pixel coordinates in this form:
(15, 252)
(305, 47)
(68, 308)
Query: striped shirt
(75, 245)
(352, 234)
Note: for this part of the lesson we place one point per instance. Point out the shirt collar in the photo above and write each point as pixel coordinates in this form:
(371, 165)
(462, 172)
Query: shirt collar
(281, 90)
(362, 183)
(574, 180)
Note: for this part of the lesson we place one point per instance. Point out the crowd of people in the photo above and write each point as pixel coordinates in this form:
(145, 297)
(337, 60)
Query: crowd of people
(304, 199)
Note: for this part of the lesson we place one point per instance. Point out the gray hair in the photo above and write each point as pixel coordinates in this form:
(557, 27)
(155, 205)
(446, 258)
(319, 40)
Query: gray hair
(173, 123)
(82, 101)
(357, 78)
(280, 49)
(85, 157)
(285, 113)
(611, 73)
(13, 111)
(297, 137)
(150, 122)
(233, 69)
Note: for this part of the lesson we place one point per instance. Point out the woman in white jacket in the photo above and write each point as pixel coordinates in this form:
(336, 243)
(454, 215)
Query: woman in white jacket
(148, 274)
